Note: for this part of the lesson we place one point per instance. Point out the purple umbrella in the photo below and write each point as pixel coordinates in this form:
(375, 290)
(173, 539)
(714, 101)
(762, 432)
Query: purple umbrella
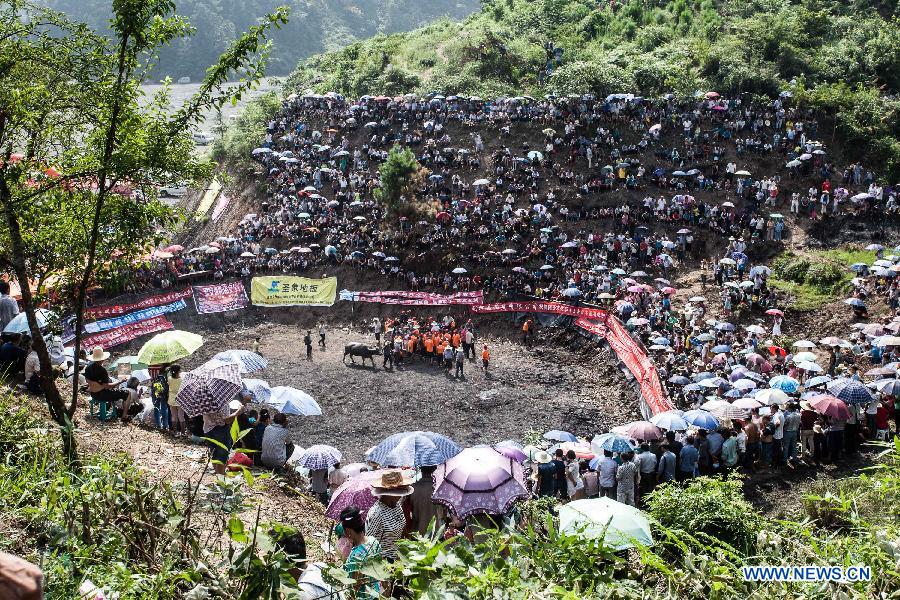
(512, 452)
(479, 480)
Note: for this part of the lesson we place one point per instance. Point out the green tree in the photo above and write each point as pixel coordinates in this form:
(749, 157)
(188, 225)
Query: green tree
(401, 174)
(82, 156)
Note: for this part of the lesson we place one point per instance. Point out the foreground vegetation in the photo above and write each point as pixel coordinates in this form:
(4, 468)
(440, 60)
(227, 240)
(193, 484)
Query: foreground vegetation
(842, 58)
(106, 523)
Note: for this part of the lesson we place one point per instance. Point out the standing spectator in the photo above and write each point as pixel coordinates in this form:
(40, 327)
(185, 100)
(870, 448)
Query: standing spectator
(423, 510)
(608, 468)
(9, 308)
(627, 479)
(559, 475)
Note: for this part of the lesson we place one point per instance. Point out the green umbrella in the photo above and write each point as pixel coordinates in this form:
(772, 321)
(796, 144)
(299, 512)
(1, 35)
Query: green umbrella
(131, 361)
(168, 347)
(619, 525)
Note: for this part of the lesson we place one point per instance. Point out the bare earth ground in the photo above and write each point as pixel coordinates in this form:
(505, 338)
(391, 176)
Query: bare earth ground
(543, 388)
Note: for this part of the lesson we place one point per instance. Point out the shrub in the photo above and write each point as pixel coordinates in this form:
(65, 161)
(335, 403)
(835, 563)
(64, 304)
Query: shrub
(710, 507)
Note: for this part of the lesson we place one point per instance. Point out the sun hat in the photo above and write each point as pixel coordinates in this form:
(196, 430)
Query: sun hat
(542, 457)
(98, 354)
(392, 483)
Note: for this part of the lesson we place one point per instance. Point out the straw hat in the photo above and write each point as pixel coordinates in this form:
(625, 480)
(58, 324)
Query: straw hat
(542, 457)
(392, 483)
(98, 354)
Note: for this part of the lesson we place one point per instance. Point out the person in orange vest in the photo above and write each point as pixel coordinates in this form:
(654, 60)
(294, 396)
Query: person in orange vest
(438, 355)
(526, 332)
(429, 345)
(411, 347)
(485, 358)
(456, 339)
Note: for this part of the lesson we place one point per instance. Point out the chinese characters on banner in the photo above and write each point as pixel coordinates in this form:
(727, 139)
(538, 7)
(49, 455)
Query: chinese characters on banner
(414, 298)
(602, 323)
(126, 333)
(223, 297)
(100, 312)
(293, 291)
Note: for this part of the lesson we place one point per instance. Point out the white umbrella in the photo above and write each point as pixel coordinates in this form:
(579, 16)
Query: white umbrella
(292, 401)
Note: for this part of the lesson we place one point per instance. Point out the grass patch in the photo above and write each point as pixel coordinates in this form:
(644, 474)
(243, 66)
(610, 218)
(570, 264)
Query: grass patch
(815, 278)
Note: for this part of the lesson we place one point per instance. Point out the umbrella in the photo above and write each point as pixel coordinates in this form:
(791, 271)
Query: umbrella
(833, 341)
(259, 389)
(818, 380)
(644, 431)
(810, 367)
(721, 348)
(771, 396)
(887, 340)
(701, 419)
(381, 453)
(830, 406)
(803, 344)
(169, 346)
(481, 182)
(19, 323)
(755, 329)
(208, 388)
(292, 401)
(479, 480)
(745, 384)
(459, 271)
(747, 403)
(786, 384)
(679, 380)
(249, 362)
(511, 452)
(724, 410)
(881, 372)
(670, 421)
(415, 451)
(356, 491)
(855, 302)
(890, 387)
(555, 435)
(618, 525)
(850, 391)
(611, 442)
(319, 457)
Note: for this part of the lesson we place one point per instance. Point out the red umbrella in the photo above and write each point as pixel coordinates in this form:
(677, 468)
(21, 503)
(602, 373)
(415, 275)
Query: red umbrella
(778, 350)
(774, 312)
(830, 406)
(668, 291)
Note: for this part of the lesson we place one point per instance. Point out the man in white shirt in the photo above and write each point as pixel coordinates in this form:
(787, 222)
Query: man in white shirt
(276, 447)
(647, 465)
(777, 421)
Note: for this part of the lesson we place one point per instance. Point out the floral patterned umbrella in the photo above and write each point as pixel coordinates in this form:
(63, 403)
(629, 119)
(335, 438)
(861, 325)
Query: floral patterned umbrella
(479, 480)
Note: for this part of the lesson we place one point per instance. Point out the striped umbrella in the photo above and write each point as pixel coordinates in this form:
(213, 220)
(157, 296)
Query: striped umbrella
(208, 388)
(414, 451)
(725, 410)
(850, 391)
(319, 457)
(447, 447)
(250, 362)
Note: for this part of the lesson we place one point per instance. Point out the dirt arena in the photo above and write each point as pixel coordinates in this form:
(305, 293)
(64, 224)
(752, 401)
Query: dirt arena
(568, 384)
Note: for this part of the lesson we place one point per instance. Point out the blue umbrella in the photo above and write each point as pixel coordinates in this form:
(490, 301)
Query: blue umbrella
(735, 393)
(670, 421)
(859, 267)
(447, 447)
(693, 387)
(817, 380)
(725, 327)
(890, 387)
(786, 384)
(555, 435)
(855, 302)
(704, 375)
(721, 348)
(258, 388)
(611, 442)
(701, 419)
(248, 362)
(679, 380)
(318, 457)
(850, 391)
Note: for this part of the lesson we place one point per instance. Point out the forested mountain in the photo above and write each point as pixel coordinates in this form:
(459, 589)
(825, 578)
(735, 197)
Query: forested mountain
(315, 26)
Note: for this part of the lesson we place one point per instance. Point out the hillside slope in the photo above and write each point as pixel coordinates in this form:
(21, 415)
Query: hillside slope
(841, 57)
(315, 26)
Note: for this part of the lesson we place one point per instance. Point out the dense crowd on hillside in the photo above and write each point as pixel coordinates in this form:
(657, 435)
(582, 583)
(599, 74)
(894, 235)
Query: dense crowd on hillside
(514, 217)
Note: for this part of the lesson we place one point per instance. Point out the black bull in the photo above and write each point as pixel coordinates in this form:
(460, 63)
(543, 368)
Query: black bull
(357, 349)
